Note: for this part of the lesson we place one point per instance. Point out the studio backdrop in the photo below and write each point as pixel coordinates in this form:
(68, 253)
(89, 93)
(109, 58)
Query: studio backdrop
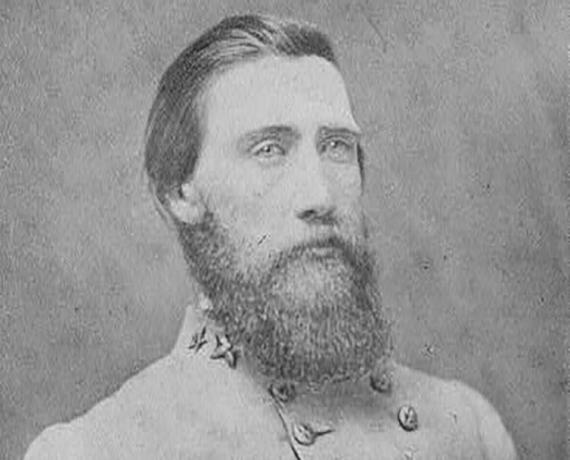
(463, 108)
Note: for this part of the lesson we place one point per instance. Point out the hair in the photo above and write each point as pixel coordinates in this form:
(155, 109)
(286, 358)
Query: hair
(174, 131)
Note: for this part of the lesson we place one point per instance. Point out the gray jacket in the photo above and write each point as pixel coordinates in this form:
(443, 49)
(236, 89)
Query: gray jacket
(190, 406)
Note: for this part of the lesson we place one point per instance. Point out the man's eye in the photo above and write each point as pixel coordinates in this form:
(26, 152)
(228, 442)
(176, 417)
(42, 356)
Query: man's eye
(268, 150)
(339, 149)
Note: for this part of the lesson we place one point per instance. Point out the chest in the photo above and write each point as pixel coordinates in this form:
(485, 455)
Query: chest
(223, 415)
(346, 444)
(259, 432)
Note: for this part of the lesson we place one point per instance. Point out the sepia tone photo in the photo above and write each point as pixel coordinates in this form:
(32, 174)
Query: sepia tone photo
(283, 230)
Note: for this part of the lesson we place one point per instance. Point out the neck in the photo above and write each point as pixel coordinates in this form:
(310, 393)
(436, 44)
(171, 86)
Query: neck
(248, 359)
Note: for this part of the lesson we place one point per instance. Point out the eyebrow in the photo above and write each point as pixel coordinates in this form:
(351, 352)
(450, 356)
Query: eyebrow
(285, 131)
(329, 131)
(253, 137)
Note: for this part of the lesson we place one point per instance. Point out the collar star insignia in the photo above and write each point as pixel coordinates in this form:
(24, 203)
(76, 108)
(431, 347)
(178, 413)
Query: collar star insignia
(198, 340)
(224, 350)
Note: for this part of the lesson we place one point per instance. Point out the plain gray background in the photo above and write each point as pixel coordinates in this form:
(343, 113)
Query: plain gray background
(463, 104)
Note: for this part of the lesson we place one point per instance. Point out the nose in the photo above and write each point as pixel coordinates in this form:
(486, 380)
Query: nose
(315, 204)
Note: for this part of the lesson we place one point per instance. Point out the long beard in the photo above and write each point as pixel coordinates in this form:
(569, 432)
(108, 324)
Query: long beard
(311, 316)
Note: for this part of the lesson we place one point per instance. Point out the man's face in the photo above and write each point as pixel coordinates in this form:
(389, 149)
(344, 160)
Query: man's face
(280, 248)
(278, 165)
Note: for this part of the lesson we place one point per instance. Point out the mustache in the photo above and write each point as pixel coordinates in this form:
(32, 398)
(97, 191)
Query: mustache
(329, 242)
(343, 248)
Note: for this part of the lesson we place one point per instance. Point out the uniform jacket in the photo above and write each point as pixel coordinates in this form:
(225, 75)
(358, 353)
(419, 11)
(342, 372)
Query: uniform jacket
(198, 402)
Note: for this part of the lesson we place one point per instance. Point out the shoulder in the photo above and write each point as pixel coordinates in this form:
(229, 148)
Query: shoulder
(452, 405)
(56, 442)
(131, 420)
(179, 406)
(494, 436)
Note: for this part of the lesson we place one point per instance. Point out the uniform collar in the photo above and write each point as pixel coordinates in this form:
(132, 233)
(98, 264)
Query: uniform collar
(195, 319)
(305, 417)
(198, 330)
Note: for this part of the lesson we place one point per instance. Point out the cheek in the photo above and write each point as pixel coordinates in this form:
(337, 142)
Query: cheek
(347, 190)
(232, 193)
(242, 217)
(346, 186)
(243, 201)
(250, 222)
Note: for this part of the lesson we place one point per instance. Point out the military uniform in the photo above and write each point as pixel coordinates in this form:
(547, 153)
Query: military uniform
(199, 402)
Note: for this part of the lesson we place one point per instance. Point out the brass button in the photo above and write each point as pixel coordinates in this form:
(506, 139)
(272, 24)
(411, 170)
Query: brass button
(408, 418)
(223, 345)
(231, 358)
(224, 350)
(382, 375)
(381, 382)
(304, 434)
(283, 392)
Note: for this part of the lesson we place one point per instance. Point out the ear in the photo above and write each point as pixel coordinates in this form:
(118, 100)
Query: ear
(186, 204)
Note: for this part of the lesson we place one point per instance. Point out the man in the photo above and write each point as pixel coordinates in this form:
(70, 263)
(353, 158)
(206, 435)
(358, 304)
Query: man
(253, 154)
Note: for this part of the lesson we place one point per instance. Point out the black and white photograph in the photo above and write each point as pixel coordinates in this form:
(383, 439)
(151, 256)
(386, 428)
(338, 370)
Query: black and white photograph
(290, 230)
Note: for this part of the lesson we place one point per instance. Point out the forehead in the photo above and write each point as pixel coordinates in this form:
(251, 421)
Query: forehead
(278, 91)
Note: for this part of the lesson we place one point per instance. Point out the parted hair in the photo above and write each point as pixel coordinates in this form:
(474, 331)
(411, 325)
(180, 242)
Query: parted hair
(174, 132)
